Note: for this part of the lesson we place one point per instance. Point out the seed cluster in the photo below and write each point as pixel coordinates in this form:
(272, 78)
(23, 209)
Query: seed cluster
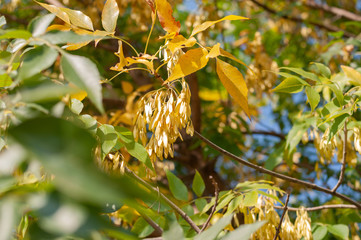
(163, 113)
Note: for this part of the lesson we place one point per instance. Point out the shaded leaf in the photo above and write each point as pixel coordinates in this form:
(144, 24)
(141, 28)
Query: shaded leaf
(83, 73)
(234, 83)
(313, 97)
(244, 231)
(177, 187)
(324, 70)
(339, 230)
(108, 138)
(190, 62)
(212, 232)
(2, 21)
(39, 25)
(289, 85)
(166, 19)
(5, 80)
(207, 24)
(110, 15)
(174, 232)
(37, 60)
(319, 233)
(198, 184)
(69, 37)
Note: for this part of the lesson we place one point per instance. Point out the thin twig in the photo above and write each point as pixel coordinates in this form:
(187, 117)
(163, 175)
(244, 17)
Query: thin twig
(216, 192)
(158, 230)
(334, 10)
(276, 174)
(283, 215)
(300, 20)
(344, 153)
(322, 207)
(167, 200)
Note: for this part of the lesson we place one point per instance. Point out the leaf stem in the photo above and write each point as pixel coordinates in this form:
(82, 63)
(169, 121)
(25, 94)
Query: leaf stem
(344, 153)
(124, 41)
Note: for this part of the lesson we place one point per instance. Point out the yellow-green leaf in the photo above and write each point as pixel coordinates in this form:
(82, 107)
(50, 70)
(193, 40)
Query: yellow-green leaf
(190, 62)
(179, 42)
(234, 83)
(215, 51)
(207, 24)
(78, 18)
(57, 11)
(355, 76)
(289, 85)
(5, 80)
(166, 19)
(110, 15)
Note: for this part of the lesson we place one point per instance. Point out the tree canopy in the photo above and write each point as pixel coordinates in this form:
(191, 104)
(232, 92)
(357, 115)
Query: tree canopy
(170, 119)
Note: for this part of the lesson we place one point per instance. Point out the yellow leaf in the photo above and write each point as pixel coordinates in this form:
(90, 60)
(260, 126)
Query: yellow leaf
(166, 19)
(355, 76)
(144, 88)
(190, 62)
(110, 15)
(101, 34)
(122, 62)
(76, 46)
(180, 42)
(207, 24)
(57, 11)
(59, 27)
(127, 87)
(215, 51)
(234, 83)
(79, 95)
(78, 19)
(147, 63)
(230, 56)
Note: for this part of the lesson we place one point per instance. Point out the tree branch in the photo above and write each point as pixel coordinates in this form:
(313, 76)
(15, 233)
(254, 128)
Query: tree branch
(216, 191)
(334, 10)
(333, 206)
(300, 20)
(344, 153)
(167, 200)
(276, 174)
(158, 230)
(283, 215)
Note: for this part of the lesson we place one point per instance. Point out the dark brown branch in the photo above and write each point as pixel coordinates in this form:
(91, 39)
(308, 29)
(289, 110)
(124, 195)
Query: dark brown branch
(334, 10)
(276, 174)
(157, 230)
(283, 215)
(259, 132)
(300, 20)
(216, 191)
(344, 153)
(167, 200)
(333, 206)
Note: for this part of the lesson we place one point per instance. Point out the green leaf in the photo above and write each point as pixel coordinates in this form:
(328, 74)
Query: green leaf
(110, 15)
(303, 73)
(319, 233)
(313, 97)
(200, 203)
(134, 148)
(244, 231)
(9, 217)
(11, 33)
(212, 232)
(66, 151)
(289, 85)
(288, 75)
(324, 70)
(5, 80)
(177, 187)
(337, 91)
(250, 199)
(174, 232)
(108, 138)
(76, 106)
(339, 230)
(39, 25)
(224, 200)
(83, 73)
(198, 184)
(234, 204)
(2, 21)
(337, 125)
(36, 60)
